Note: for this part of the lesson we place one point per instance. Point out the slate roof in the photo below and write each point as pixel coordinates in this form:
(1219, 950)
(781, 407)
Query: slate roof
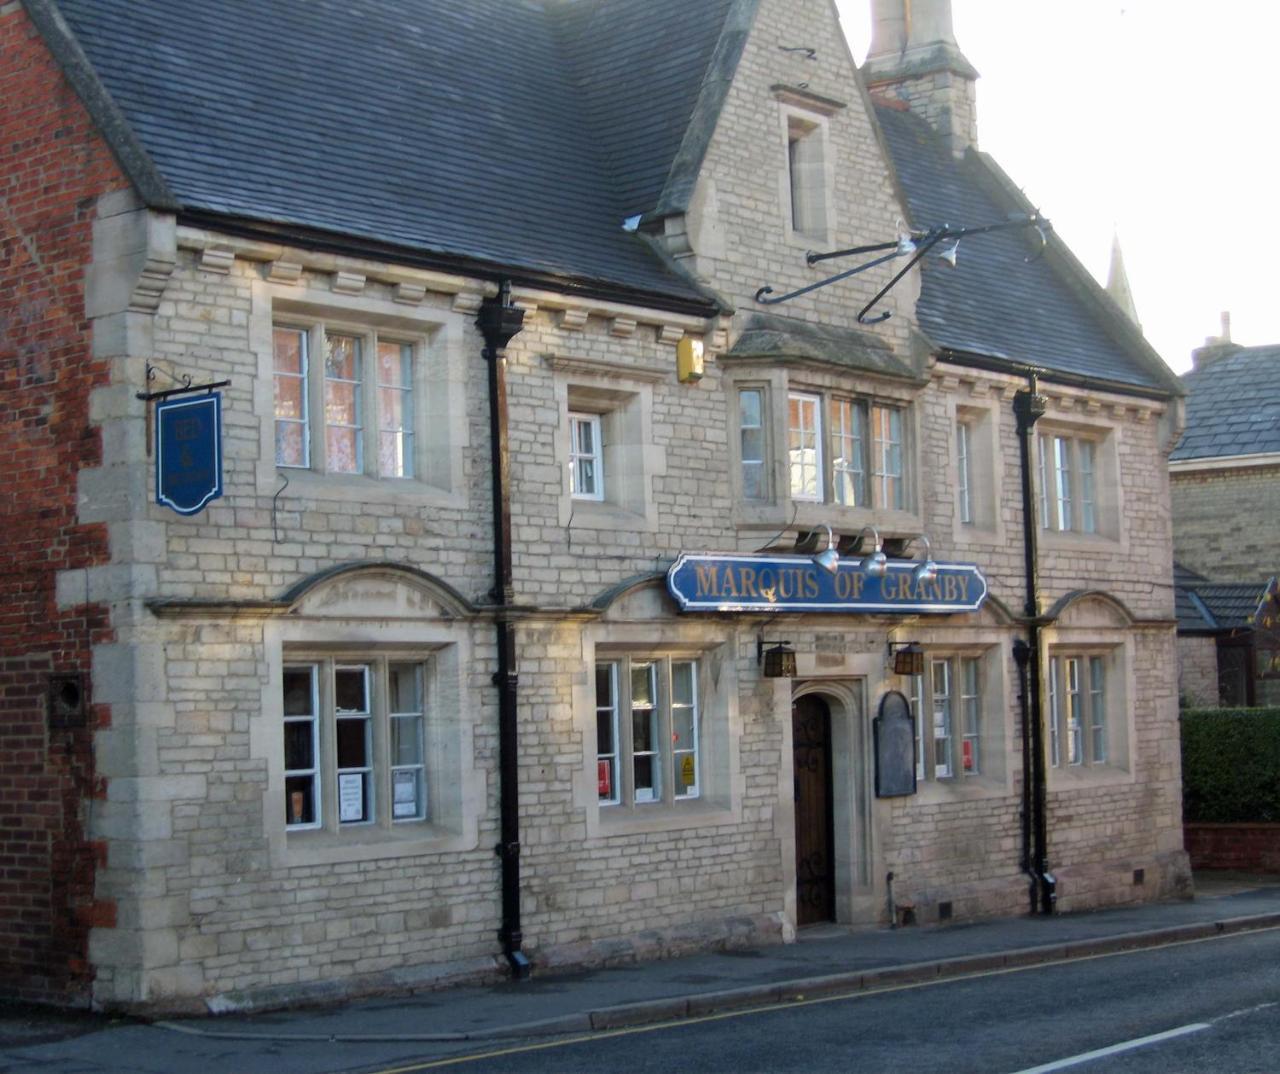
(449, 128)
(1048, 313)
(1205, 607)
(771, 338)
(1233, 406)
(639, 80)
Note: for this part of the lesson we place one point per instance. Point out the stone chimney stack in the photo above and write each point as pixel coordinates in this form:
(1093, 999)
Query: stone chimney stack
(914, 58)
(1215, 347)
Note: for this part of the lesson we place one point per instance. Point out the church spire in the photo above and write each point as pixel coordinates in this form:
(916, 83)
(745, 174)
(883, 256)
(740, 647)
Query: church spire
(1118, 283)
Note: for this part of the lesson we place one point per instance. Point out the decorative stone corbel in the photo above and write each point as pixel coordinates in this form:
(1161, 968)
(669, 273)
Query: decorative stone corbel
(217, 259)
(623, 327)
(670, 333)
(409, 294)
(135, 252)
(573, 319)
(284, 271)
(467, 302)
(348, 283)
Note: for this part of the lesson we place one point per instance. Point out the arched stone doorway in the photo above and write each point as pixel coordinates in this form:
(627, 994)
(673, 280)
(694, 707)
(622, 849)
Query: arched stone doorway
(814, 810)
(832, 807)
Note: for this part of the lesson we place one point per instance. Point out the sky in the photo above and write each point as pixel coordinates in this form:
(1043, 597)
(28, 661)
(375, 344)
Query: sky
(1153, 120)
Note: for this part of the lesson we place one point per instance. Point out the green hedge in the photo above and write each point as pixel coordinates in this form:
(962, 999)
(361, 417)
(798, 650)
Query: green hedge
(1231, 765)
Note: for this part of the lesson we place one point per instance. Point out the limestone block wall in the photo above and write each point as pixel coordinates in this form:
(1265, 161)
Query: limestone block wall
(1117, 841)
(739, 225)
(1198, 672)
(1224, 521)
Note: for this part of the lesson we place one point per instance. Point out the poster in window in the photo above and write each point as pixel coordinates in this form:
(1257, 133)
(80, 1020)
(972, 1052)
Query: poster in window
(604, 781)
(351, 796)
(404, 796)
(687, 770)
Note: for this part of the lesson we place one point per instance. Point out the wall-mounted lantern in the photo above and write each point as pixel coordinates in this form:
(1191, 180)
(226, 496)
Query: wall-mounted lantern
(907, 657)
(779, 659)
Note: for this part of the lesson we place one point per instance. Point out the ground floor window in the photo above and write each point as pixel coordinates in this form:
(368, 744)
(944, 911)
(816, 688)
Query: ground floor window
(354, 742)
(1077, 709)
(647, 730)
(946, 703)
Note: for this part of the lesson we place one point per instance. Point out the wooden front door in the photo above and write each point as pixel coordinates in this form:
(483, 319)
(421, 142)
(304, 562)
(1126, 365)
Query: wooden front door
(811, 768)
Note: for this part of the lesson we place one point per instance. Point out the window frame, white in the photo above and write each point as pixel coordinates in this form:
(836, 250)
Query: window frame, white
(582, 420)
(797, 462)
(964, 472)
(315, 335)
(621, 710)
(883, 466)
(378, 772)
(1078, 715)
(1068, 472)
(956, 725)
(759, 464)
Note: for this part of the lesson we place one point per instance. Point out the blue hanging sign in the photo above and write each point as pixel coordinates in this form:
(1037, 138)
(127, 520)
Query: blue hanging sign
(189, 452)
(711, 583)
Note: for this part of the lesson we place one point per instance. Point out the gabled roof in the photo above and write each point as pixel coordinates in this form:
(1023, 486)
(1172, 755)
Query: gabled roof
(453, 130)
(1233, 406)
(1048, 313)
(645, 71)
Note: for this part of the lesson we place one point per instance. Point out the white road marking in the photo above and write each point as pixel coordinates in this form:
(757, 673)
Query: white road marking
(1125, 1046)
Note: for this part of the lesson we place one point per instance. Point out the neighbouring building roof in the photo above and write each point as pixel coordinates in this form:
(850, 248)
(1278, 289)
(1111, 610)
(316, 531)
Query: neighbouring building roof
(508, 133)
(1048, 313)
(1206, 607)
(1233, 405)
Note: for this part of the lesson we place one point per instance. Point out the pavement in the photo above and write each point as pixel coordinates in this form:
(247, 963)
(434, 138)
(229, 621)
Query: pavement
(827, 959)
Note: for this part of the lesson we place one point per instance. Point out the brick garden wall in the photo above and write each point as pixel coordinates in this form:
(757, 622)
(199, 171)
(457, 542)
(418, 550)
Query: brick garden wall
(52, 168)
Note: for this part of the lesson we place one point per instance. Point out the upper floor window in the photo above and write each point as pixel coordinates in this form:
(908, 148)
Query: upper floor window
(1078, 709)
(752, 452)
(586, 457)
(1068, 483)
(964, 472)
(806, 175)
(322, 408)
(866, 451)
(647, 730)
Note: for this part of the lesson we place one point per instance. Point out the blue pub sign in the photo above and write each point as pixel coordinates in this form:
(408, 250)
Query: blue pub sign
(729, 583)
(189, 452)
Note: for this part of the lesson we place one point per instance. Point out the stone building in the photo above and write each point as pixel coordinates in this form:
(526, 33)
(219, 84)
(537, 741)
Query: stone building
(1224, 477)
(548, 523)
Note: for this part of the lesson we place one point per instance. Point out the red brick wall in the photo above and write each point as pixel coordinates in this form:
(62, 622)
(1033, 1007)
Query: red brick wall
(1250, 848)
(52, 168)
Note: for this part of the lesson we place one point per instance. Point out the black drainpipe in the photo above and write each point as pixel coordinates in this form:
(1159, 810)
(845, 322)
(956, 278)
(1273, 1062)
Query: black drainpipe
(1029, 406)
(498, 321)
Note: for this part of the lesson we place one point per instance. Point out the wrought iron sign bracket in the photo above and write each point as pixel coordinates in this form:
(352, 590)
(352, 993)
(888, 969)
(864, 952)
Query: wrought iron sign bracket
(184, 385)
(915, 246)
